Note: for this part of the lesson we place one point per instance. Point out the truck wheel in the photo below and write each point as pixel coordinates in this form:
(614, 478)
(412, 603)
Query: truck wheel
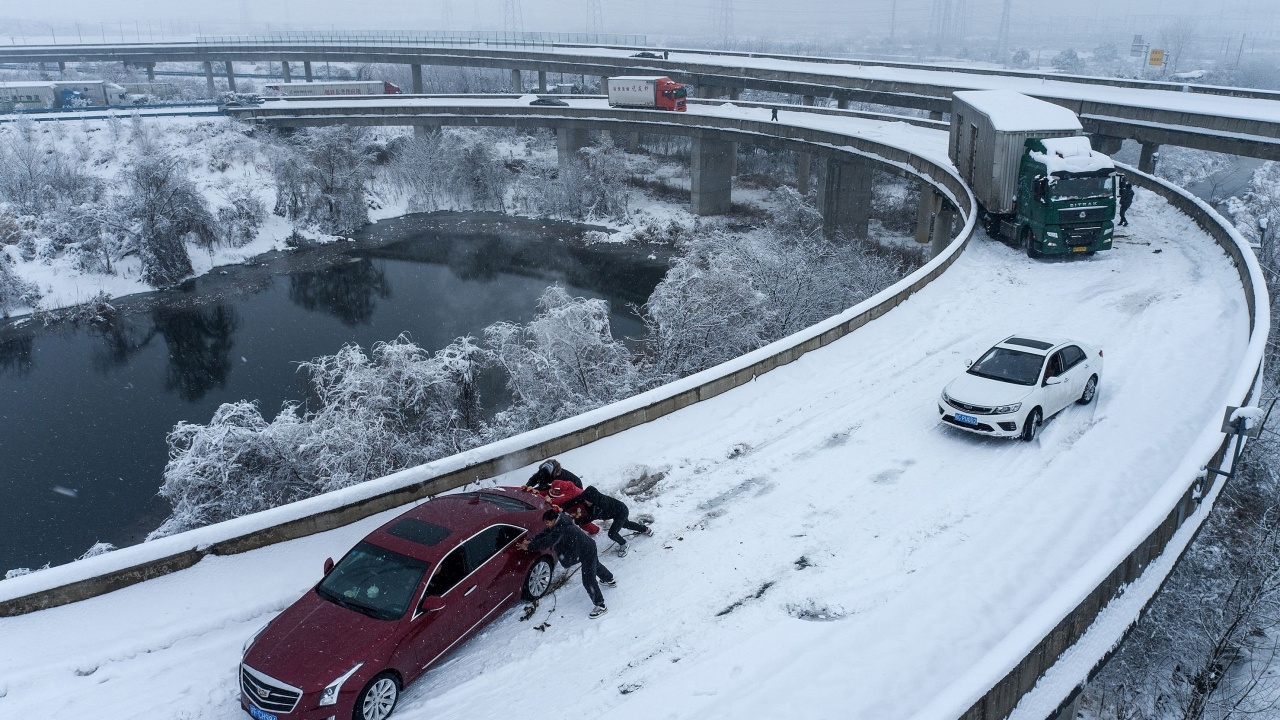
(1027, 241)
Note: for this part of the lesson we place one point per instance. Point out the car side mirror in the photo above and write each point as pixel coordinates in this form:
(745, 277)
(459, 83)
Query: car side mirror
(1057, 380)
(968, 363)
(328, 565)
(431, 603)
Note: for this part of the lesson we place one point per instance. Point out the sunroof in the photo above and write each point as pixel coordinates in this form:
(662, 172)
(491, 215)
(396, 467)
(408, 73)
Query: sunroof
(419, 531)
(1037, 344)
(509, 504)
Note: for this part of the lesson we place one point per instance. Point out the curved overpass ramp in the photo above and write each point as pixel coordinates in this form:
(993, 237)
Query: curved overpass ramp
(822, 544)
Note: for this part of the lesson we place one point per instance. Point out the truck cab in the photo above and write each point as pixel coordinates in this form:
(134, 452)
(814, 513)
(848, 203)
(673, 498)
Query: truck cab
(1066, 197)
(670, 95)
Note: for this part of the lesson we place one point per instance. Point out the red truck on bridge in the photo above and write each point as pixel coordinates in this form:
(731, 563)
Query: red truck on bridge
(653, 92)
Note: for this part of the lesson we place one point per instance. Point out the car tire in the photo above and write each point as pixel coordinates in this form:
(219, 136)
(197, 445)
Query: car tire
(1032, 425)
(537, 582)
(378, 699)
(1090, 391)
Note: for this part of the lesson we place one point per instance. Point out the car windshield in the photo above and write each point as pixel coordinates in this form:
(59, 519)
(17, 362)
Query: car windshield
(1007, 365)
(374, 581)
(1071, 187)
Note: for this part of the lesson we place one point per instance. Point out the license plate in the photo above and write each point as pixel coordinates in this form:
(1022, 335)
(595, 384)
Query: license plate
(261, 714)
(1079, 249)
(966, 419)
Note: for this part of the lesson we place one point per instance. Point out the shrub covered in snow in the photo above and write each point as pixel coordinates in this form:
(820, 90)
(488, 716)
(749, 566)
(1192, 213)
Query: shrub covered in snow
(161, 210)
(321, 176)
(14, 291)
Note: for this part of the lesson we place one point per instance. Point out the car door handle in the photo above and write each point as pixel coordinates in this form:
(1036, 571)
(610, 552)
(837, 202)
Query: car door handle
(473, 589)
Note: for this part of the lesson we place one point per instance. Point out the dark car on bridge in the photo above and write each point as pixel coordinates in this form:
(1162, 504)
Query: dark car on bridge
(399, 601)
(549, 102)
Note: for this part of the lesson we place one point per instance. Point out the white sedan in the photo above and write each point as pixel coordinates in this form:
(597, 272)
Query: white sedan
(1018, 384)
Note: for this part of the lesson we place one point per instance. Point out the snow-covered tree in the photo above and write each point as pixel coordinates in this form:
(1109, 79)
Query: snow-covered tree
(14, 291)
(160, 210)
(562, 362)
(321, 176)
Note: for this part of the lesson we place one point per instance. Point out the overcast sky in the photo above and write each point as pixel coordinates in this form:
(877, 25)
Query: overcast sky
(1032, 24)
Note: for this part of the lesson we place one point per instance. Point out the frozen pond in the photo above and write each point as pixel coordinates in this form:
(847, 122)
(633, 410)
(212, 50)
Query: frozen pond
(84, 411)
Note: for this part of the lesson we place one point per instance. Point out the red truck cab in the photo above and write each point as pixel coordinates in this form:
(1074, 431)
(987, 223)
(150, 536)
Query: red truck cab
(670, 95)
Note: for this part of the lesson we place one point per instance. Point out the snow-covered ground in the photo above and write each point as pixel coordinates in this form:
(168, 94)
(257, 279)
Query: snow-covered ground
(823, 546)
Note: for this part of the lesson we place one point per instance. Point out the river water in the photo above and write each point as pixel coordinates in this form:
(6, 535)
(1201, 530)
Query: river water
(84, 411)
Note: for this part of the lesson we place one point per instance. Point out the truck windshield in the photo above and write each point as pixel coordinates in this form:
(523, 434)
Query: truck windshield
(1064, 186)
(679, 92)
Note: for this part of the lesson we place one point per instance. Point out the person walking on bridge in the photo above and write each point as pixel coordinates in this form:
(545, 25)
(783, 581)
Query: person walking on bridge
(1126, 198)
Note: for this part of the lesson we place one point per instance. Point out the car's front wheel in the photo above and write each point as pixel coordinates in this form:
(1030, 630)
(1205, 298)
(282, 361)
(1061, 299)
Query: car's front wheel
(1090, 390)
(538, 581)
(378, 698)
(1032, 425)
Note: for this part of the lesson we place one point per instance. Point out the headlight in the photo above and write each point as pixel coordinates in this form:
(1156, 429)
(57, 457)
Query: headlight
(1006, 409)
(249, 643)
(329, 696)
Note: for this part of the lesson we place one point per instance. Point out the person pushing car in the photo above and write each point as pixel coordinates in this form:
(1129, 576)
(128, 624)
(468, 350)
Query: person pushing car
(548, 472)
(573, 546)
(599, 506)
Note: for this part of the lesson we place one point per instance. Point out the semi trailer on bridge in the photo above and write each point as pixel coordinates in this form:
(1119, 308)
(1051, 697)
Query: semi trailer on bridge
(41, 95)
(332, 89)
(651, 92)
(1038, 180)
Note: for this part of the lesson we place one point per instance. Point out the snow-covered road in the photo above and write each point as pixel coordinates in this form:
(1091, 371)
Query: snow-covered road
(822, 545)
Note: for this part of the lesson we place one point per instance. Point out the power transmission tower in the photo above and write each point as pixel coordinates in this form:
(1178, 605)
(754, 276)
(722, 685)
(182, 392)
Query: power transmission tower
(595, 17)
(960, 20)
(448, 15)
(723, 21)
(1002, 39)
(940, 20)
(512, 17)
(893, 19)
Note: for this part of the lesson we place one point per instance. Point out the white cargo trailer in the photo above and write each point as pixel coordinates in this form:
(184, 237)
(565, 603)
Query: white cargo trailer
(989, 131)
(331, 89)
(27, 95)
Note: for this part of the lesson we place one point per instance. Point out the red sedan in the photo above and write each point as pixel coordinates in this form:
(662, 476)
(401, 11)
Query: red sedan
(401, 599)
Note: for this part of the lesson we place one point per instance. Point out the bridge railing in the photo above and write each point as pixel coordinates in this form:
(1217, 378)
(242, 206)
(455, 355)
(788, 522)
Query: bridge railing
(443, 38)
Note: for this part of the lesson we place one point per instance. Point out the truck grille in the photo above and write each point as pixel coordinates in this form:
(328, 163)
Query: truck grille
(1079, 236)
(1091, 213)
(266, 692)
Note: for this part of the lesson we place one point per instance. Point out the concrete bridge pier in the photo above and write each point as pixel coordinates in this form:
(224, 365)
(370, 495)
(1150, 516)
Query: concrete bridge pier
(842, 104)
(935, 115)
(808, 100)
(930, 204)
(804, 169)
(306, 69)
(569, 142)
(542, 81)
(517, 82)
(62, 67)
(943, 223)
(208, 77)
(1150, 156)
(151, 72)
(284, 71)
(231, 77)
(1106, 144)
(845, 197)
(604, 84)
(422, 130)
(415, 71)
(633, 142)
(712, 176)
(735, 94)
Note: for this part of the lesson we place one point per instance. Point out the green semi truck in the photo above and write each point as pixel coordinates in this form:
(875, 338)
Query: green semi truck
(1038, 181)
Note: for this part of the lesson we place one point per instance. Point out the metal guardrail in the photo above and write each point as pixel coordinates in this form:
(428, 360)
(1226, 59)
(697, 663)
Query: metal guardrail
(442, 38)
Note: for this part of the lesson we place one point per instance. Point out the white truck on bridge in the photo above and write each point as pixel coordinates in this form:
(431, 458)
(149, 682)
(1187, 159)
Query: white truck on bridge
(332, 89)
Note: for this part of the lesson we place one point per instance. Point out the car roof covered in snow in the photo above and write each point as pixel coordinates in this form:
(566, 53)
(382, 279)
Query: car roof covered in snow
(1071, 154)
(1014, 112)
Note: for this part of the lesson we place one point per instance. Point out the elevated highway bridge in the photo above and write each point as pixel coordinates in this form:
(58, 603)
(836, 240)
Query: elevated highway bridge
(962, 578)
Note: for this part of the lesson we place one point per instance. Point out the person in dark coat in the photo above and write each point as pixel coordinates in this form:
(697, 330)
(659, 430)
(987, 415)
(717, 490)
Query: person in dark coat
(775, 114)
(602, 507)
(1126, 198)
(573, 546)
(548, 472)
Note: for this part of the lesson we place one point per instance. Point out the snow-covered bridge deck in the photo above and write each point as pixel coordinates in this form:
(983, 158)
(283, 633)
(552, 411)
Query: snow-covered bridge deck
(821, 542)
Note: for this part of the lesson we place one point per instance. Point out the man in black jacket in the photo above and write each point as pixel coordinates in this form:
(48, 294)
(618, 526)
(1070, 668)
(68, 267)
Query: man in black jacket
(1126, 198)
(599, 506)
(573, 546)
(548, 472)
